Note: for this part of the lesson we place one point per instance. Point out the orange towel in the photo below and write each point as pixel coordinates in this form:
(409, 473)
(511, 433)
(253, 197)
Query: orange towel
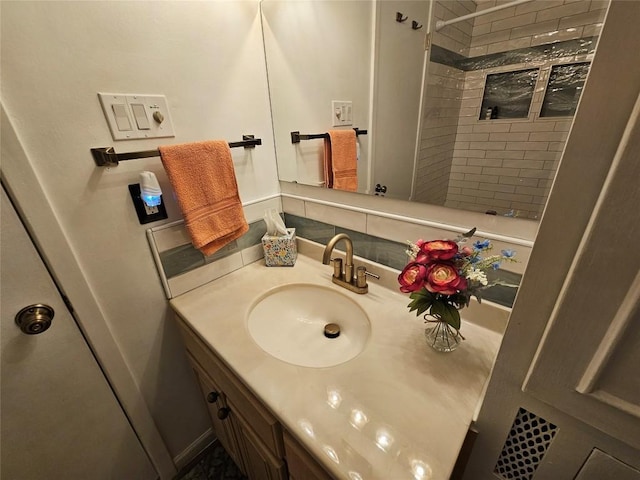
(204, 180)
(340, 160)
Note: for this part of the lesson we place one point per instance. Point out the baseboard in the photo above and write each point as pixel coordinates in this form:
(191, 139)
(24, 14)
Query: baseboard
(185, 457)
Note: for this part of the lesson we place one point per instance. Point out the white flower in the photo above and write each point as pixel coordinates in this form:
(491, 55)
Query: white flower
(477, 275)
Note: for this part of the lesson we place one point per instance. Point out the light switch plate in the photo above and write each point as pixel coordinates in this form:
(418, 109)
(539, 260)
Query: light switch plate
(143, 122)
(341, 113)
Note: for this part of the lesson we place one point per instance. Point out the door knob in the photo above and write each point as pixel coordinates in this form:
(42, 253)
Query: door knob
(212, 397)
(35, 318)
(223, 413)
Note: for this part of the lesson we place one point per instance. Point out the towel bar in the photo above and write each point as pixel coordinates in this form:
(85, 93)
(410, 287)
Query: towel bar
(107, 157)
(297, 136)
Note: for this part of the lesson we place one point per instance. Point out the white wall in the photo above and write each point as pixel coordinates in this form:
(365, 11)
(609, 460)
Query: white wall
(317, 52)
(207, 58)
(399, 65)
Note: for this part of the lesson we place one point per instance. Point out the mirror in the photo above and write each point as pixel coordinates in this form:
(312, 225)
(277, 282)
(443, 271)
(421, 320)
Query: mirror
(478, 121)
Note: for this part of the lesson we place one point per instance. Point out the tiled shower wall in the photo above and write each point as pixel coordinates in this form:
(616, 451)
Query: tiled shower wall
(441, 107)
(501, 165)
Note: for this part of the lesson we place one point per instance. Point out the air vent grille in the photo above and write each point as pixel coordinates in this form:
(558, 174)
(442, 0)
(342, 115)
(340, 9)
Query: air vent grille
(526, 444)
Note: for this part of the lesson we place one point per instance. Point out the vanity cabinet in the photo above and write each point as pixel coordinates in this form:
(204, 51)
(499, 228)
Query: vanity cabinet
(251, 435)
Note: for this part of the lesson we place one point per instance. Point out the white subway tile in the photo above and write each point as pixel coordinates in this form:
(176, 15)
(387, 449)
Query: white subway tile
(488, 145)
(497, 187)
(485, 162)
(557, 36)
(472, 137)
(527, 145)
(294, 206)
(523, 164)
(511, 154)
(513, 44)
(336, 216)
(481, 178)
(547, 136)
(529, 182)
(509, 137)
(534, 28)
(507, 172)
(562, 11)
(491, 127)
(532, 126)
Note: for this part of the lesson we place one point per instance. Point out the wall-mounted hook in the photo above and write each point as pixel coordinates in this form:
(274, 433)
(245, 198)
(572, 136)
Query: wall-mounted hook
(400, 18)
(415, 25)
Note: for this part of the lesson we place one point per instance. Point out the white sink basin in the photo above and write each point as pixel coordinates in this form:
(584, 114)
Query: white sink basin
(288, 322)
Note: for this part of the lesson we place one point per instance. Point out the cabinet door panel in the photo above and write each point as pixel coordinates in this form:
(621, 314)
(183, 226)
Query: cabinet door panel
(260, 462)
(223, 428)
(300, 463)
(263, 423)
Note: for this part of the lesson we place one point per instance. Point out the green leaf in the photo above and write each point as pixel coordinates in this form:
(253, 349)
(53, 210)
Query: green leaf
(423, 292)
(470, 233)
(438, 309)
(421, 304)
(453, 316)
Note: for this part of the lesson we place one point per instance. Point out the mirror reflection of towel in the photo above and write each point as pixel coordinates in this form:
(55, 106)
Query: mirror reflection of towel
(204, 180)
(340, 160)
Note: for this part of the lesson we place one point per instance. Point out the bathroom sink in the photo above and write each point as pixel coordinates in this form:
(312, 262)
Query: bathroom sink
(288, 322)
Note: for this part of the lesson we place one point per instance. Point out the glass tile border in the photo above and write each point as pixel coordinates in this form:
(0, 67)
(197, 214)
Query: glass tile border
(392, 254)
(545, 52)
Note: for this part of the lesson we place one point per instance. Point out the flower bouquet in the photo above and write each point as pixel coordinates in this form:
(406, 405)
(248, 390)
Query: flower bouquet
(441, 278)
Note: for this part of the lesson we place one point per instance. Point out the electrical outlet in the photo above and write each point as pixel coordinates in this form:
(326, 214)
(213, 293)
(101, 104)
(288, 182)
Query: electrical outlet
(146, 214)
(341, 113)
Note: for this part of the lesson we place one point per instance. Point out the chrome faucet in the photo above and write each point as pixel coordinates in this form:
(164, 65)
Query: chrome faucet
(346, 279)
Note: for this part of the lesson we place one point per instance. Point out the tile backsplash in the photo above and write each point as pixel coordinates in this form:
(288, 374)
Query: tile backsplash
(182, 267)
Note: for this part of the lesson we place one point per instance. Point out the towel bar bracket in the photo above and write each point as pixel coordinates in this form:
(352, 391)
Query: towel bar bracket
(107, 156)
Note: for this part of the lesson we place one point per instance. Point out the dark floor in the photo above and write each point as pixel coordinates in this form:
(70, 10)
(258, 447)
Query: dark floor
(212, 464)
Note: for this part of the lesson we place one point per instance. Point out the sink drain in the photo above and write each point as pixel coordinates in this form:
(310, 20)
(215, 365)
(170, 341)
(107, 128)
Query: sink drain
(332, 330)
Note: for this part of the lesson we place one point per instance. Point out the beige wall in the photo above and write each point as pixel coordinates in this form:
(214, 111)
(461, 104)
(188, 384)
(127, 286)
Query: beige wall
(207, 58)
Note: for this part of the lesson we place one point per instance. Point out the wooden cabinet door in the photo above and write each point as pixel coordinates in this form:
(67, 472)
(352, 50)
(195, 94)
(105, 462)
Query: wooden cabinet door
(260, 462)
(216, 403)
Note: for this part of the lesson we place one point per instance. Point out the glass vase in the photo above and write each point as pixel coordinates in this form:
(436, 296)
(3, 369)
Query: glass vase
(441, 336)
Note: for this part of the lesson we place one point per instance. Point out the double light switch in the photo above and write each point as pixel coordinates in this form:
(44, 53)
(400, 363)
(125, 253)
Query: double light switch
(133, 116)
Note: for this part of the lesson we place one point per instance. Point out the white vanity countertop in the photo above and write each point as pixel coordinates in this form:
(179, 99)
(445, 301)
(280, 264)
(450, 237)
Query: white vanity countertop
(399, 408)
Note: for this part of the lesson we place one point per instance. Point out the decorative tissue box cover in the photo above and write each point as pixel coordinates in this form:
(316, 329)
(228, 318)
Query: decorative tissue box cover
(280, 251)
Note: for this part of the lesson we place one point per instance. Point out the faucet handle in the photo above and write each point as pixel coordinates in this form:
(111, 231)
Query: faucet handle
(361, 276)
(337, 267)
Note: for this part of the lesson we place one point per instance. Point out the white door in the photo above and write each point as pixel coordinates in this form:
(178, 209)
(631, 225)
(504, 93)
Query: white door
(59, 417)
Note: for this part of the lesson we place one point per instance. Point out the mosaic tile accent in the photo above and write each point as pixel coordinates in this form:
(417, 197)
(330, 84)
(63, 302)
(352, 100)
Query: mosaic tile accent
(539, 53)
(186, 257)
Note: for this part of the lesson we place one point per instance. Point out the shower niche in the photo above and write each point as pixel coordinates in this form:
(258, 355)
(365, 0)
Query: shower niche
(508, 94)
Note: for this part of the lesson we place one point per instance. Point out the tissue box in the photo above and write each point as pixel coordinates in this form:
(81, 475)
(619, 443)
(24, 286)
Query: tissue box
(280, 251)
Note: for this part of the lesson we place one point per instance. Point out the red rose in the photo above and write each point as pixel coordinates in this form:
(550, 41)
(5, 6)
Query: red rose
(443, 278)
(438, 250)
(412, 277)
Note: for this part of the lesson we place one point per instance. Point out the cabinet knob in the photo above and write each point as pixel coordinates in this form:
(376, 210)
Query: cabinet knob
(223, 413)
(212, 397)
